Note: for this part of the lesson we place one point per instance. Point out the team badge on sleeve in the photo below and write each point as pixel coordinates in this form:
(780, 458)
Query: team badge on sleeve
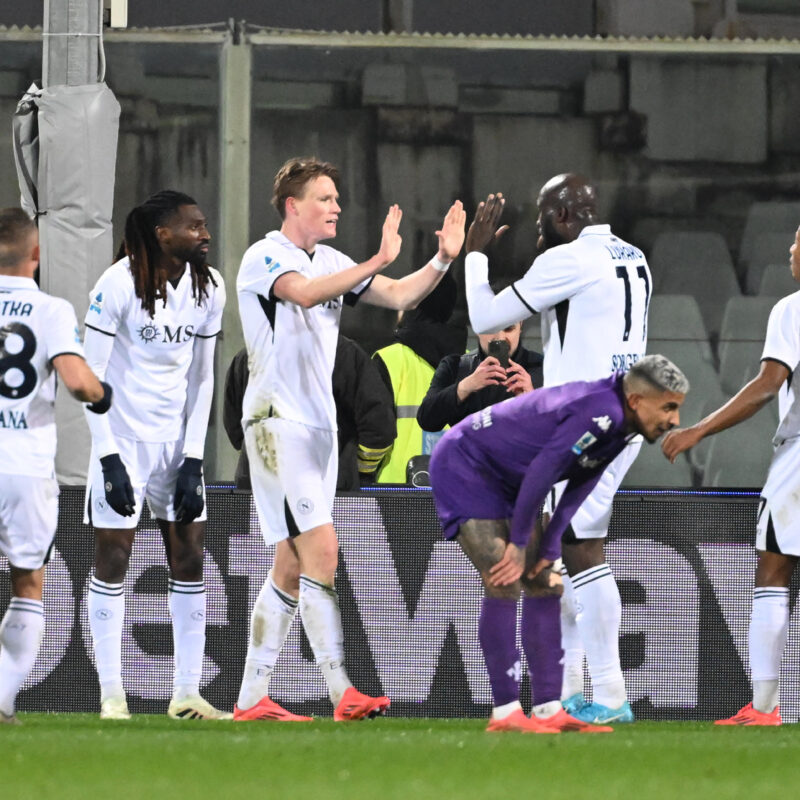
(585, 441)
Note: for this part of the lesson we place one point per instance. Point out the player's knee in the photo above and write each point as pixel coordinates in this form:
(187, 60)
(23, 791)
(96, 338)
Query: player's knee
(111, 562)
(510, 592)
(187, 566)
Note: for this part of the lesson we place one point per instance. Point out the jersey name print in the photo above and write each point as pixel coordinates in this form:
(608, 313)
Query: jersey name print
(151, 356)
(593, 295)
(34, 329)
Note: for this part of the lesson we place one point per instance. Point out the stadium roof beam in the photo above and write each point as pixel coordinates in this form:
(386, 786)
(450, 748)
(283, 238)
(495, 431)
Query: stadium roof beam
(276, 37)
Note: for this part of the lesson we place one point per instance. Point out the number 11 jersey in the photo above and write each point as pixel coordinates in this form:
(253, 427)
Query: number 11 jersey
(593, 295)
(34, 329)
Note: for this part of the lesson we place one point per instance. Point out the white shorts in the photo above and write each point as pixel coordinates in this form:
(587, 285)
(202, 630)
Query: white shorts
(293, 476)
(153, 471)
(778, 527)
(28, 519)
(591, 519)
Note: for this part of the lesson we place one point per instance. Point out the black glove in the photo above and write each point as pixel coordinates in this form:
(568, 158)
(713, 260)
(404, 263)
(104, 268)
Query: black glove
(188, 502)
(104, 403)
(119, 492)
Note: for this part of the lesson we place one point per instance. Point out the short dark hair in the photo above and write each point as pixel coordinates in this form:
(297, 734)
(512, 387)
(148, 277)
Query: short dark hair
(293, 176)
(16, 228)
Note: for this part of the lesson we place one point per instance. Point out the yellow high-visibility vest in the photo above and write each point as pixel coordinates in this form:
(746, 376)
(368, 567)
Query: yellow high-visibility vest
(411, 377)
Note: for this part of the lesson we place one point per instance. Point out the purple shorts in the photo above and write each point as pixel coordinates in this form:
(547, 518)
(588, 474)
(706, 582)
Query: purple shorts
(463, 488)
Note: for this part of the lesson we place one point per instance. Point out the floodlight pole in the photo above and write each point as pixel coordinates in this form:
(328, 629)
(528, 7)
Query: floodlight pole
(71, 46)
(236, 89)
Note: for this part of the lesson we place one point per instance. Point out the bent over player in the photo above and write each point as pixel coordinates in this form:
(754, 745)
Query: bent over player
(291, 289)
(38, 334)
(778, 526)
(151, 328)
(490, 475)
(593, 293)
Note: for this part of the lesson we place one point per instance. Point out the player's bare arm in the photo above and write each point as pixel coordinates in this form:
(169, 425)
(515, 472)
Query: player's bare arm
(750, 398)
(309, 292)
(484, 228)
(81, 382)
(405, 293)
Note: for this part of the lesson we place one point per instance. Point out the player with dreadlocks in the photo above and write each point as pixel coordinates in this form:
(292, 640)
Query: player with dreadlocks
(151, 328)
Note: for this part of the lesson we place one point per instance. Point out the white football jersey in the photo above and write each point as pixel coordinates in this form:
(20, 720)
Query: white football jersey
(593, 295)
(34, 329)
(151, 356)
(782, 344)
(290, 349)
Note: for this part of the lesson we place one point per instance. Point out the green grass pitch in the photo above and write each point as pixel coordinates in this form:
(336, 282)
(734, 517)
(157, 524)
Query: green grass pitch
(77, 756)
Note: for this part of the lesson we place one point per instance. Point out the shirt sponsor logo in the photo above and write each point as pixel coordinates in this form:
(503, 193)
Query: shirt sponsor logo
(604, 422)
(585, 441)
(152, 333)
(482, 419)
(97, 304)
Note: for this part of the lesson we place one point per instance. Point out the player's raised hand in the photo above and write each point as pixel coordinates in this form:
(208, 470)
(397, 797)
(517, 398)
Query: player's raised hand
(117, 485)
(391, 240)
(509, 568)
(188, 502)
(483, 230)
(451, 236)
(679, 440)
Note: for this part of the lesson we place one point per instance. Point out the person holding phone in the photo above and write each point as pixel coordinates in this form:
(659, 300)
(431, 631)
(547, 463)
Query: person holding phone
(462, 384)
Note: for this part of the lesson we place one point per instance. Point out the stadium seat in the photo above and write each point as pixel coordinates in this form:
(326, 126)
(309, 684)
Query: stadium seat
(763, 218)
(699, 264)
(740, 456)
(777, 281)
(741, 339)
(768, 248)
(675, 316)
(651, 469)
(695, 359)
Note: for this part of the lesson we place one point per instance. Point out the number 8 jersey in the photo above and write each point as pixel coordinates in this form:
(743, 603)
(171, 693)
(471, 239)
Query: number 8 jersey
(34, 329)
(593, 295)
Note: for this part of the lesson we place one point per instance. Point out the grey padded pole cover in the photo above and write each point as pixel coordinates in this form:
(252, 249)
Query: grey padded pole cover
(66, 156)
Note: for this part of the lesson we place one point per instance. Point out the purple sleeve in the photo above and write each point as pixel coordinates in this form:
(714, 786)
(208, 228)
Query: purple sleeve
(570, 502)
(545, 470)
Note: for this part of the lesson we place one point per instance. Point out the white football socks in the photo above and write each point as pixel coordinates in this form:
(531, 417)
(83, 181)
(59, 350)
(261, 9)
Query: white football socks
(187, 607)
(105, 604)
(322, 620)
(572, 682)
(769, 623)
(20, 635)
(270, 621)
(599, 618)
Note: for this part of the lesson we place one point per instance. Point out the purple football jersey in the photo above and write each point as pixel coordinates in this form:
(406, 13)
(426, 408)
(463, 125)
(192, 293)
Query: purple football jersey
(500, 462)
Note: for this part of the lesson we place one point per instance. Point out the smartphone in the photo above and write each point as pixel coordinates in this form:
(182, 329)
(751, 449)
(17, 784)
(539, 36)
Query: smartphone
(499, 349)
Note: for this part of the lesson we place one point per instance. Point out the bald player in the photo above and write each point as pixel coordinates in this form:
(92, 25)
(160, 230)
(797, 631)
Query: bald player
(592, 291)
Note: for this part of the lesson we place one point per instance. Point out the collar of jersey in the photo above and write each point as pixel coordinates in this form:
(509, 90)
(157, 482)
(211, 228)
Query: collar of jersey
(594, 230)
(17, 282)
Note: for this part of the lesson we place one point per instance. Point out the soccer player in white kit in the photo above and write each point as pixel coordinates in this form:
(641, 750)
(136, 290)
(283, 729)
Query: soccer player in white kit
(151, 328)
(291, 289)
(593, 292)
(777, 538)
(38, 337)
